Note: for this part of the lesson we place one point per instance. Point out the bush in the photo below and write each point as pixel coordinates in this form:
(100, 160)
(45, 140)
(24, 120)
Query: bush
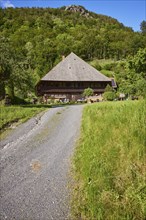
(88, 92)
(108, 88)
(18, 101)
(97, 66)
(107, 73)
(109, 66)
(109, 96)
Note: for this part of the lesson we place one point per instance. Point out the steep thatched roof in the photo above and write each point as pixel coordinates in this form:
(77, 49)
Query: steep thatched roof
(73, 68)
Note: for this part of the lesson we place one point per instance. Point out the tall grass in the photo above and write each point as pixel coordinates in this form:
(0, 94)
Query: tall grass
(109, 163)
(11, 114)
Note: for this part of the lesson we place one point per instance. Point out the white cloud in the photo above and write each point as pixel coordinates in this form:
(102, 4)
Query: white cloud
(6, 4)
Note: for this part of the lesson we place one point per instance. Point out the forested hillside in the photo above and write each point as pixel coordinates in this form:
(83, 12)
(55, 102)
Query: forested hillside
(33, 40)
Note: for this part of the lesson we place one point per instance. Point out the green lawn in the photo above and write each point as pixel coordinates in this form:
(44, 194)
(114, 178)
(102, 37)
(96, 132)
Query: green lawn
(109, 164)
(11, 114)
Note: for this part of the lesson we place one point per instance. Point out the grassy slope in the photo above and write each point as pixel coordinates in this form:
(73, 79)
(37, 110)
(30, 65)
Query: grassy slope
(109, 162)
(11, 114)
(102, 63)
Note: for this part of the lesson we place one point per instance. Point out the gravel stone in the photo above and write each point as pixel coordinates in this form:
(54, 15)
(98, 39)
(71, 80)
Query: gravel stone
(35, 161)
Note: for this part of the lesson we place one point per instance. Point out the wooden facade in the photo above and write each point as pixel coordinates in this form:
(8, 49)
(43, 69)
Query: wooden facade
(69, 90)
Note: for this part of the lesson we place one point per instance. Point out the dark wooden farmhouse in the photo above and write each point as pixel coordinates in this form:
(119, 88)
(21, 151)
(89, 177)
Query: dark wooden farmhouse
(70, 77)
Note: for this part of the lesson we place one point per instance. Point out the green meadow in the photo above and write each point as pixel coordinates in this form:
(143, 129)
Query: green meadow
(12, 114)
(109, 163)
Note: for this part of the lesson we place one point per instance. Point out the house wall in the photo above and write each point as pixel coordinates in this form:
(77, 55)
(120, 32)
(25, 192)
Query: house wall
(71, 90)
(71, 85)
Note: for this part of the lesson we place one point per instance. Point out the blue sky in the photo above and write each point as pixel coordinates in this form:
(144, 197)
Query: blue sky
(129, 12)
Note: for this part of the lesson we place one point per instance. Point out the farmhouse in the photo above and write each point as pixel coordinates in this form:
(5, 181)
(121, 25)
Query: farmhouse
(70, 77)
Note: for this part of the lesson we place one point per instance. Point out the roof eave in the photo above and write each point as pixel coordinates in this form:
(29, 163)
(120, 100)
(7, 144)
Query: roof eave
(65, 80)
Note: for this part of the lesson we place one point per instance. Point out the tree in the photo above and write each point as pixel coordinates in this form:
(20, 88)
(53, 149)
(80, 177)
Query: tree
(35, 39)
(88, 92)
(6, 62)
(133, 82)
(141, 87)
(138, 63)
(143, 27)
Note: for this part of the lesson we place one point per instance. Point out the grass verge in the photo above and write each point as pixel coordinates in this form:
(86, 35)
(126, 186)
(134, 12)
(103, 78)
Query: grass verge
(109, 163)
(11, 114)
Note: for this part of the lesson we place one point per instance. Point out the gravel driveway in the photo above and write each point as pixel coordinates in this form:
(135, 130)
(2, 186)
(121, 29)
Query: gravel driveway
(35, 160)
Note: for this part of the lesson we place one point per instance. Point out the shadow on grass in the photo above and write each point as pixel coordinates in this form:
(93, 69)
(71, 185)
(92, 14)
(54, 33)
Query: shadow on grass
(50, 105)
(36, 106)
(44, 105)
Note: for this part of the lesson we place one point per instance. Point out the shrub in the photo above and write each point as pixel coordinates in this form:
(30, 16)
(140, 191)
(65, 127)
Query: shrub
(109, 96)
(97, 66)
(109, 66)
(88, 92)
(108, 88)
